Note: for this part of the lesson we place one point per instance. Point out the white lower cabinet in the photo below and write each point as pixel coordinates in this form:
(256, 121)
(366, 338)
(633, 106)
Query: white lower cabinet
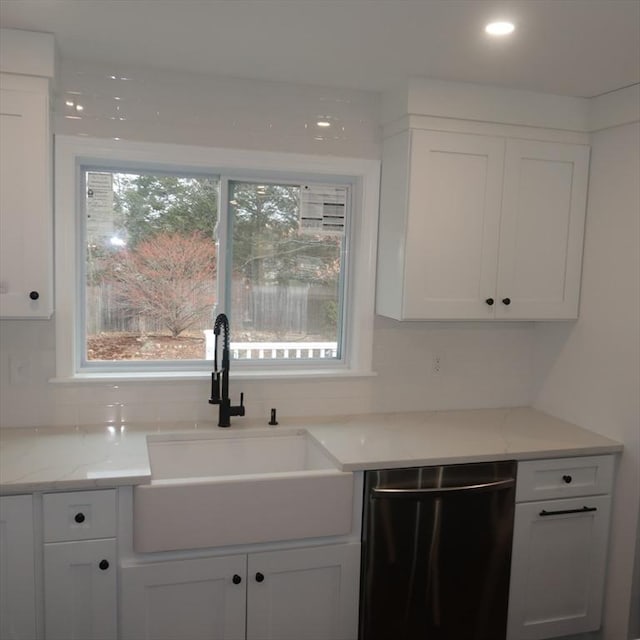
(196, 599)
(559, 549)
(80, 590)
(304, 594)
(17, 575)
(80, 565)
(297, 594)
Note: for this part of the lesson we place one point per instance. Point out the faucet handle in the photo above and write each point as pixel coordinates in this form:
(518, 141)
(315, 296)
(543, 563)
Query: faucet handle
(241, 405)
(239, 409)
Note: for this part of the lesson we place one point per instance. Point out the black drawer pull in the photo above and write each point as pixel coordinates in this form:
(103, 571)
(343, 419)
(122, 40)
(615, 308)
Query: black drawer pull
(104, 565)
(34, 295)
(489, 301)
(563, 512)
(79, 517)
(567, 479)
(236, 579)
(259, 577)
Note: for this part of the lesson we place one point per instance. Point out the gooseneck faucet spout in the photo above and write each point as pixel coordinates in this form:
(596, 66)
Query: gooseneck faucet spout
(220, 377)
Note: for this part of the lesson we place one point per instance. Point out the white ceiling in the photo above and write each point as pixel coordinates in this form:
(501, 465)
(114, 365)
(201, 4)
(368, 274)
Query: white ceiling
(568, 47)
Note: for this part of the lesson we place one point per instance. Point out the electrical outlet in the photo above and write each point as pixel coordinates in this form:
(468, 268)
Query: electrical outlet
(436, 365)
(19, 369)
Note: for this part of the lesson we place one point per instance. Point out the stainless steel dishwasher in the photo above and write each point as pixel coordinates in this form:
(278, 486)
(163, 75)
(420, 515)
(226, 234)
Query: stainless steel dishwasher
(437, 552)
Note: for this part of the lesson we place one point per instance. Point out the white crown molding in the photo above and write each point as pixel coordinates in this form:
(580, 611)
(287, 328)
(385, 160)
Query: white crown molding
(488, 104)
(615, 108)
(28, 53)
(440, 101)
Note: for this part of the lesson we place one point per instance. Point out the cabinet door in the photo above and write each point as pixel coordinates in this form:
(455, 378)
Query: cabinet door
(304, 594)
(558, 566)
(543, 215)
(17, 582)
(80, 590)
(452, 230)
(185, 599)
(26, 229)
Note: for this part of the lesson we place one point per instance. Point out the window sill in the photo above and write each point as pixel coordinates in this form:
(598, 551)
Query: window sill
(191, 376)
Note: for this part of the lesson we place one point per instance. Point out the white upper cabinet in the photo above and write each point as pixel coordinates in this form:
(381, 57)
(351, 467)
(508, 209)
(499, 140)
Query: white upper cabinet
(477, 227)
(26, 233)
(541, 234)
(26, 209)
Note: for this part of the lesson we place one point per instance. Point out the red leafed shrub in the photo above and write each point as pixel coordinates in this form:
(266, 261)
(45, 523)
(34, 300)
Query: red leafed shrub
(169, 277)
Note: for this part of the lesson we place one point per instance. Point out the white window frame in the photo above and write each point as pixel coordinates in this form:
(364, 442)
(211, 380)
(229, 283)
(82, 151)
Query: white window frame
(71, 153)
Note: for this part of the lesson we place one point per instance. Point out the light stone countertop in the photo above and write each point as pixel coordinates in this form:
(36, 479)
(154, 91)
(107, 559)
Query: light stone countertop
(70, 458)
(453, 437)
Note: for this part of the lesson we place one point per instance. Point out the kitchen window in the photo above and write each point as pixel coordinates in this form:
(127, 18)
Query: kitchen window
(282, 244)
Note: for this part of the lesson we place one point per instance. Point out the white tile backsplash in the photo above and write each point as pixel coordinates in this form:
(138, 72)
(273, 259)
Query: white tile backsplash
(165, 106)
(483, 366)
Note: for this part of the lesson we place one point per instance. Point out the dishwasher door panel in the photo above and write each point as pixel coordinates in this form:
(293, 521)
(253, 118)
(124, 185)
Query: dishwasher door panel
(436, 564)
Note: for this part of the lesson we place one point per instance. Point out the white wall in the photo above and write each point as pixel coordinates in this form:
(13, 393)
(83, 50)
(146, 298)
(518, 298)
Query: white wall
(484, 365)
(589, 372)
(634, 614)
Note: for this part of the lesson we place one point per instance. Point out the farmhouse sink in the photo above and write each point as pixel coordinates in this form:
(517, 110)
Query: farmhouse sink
(235, 456)
(235, 489)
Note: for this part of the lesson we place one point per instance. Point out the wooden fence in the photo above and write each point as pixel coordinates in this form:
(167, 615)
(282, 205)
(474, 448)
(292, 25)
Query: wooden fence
(290, 309)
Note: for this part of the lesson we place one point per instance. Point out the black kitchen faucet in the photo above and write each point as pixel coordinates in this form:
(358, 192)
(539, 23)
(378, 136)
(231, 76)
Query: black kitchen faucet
(220, 377)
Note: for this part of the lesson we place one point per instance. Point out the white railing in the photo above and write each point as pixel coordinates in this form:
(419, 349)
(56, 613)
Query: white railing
(273, 350)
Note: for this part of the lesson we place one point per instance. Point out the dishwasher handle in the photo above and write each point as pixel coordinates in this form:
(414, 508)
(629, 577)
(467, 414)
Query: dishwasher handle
(564, 512)
(497, 485)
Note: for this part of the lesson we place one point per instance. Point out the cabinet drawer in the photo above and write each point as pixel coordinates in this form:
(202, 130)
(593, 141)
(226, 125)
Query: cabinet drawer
(564, 478)
(79, 515)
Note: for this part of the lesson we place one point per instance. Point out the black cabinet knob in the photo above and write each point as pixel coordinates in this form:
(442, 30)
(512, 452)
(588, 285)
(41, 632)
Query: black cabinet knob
(259, 577)
(567, 479)
(34, 295)
(79, 517)
(506, 301)
(489, 301)
(236, 579)
(104, 565)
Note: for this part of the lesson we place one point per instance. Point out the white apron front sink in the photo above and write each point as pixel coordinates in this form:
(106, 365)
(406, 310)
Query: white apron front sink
(239, 489)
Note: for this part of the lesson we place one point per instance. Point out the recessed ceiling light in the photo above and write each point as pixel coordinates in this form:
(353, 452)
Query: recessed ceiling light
(323, 123)
(501, 28)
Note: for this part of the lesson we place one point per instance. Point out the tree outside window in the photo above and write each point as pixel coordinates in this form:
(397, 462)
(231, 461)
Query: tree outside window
(152, 271)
